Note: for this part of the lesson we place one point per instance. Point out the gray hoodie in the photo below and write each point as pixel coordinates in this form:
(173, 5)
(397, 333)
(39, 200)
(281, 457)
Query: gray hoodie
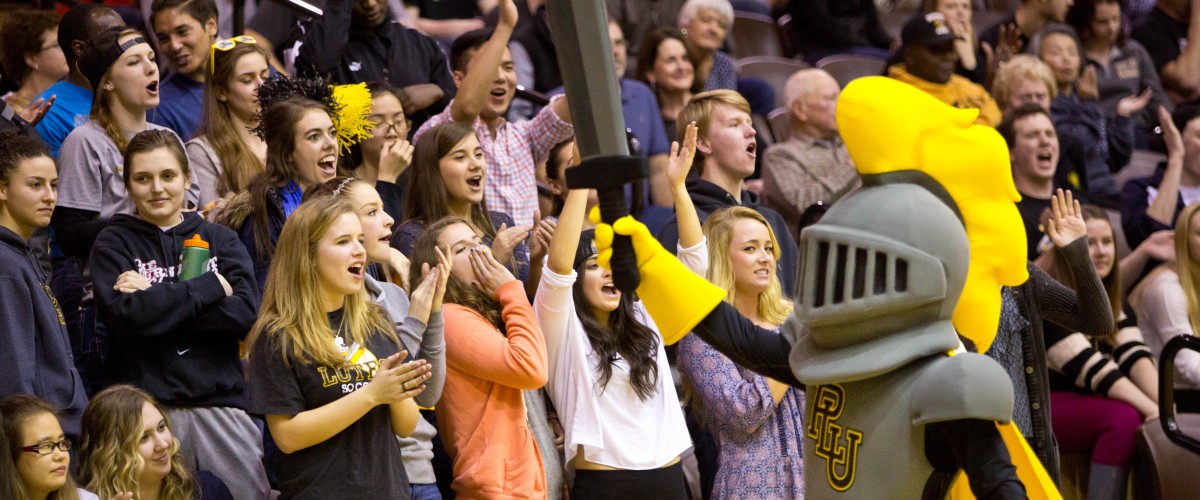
(423, 341)
(33, 335)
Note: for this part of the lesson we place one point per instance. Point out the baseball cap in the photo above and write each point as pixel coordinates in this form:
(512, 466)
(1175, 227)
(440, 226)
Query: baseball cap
(929, 29)
(102, 51)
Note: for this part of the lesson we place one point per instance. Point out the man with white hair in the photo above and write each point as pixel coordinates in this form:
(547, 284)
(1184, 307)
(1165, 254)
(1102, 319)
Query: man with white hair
(812, 166)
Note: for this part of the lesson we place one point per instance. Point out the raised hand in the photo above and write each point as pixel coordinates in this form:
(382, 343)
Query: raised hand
(1008, 44)
(679, 162)
(1170, 134)
(1134, 104)
(539, 237)
(508, 14)
(507, 239)
(445, 263)
(421, 299)
(1160, 245)
(1066, 220)
(397, 265)
(1009, 41)
(489, 274)
(1086, 87)
(37, 109)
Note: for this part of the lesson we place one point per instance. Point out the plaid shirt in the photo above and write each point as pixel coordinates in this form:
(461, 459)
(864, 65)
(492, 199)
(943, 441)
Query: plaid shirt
(512, 157)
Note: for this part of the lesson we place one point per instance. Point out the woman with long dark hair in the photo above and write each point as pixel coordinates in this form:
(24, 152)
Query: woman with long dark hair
(34, 343)
(609, 377)
(36, 456)
(447, 179)
(664, 64)
(1102, 389)
(300, 122)
(1123, 67)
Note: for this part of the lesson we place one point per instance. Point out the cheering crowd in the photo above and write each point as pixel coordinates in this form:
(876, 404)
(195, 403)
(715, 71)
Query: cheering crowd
(336, 256)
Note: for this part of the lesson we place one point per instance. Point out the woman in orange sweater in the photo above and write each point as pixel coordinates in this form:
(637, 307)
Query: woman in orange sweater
(494, 351)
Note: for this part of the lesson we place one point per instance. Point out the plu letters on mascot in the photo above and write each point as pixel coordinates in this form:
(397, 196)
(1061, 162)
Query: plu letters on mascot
(888, 277)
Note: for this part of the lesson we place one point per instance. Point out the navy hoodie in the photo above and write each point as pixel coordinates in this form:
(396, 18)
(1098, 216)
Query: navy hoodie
(178, 340)
(709, 198)
(34, 346)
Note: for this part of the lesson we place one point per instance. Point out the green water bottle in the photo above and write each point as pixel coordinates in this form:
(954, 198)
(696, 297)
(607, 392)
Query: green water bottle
(195, 256)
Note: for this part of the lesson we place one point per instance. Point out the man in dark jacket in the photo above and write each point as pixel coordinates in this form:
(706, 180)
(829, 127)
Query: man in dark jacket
(357, 41)
(725, 153)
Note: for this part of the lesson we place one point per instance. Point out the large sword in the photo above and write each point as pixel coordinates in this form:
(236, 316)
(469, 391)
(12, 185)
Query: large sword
(580, 32)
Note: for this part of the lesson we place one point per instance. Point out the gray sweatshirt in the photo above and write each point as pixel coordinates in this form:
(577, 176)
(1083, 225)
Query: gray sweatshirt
(423, 341)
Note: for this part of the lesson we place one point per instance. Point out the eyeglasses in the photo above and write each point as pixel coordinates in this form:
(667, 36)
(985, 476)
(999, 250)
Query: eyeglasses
(398, 125)
(226, 45)
(48, 448)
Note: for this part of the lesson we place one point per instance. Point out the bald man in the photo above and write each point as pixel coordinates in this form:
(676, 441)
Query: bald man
(812, 166)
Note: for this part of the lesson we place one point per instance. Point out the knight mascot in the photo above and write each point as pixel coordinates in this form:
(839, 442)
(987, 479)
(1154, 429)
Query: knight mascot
(891, 276)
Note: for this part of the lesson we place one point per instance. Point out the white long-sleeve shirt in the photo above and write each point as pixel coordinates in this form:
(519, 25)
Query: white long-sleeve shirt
(611, 425)
(1162, 312)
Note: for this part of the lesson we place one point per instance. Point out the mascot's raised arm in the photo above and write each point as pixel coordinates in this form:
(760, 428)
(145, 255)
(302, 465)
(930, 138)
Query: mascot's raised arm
(890, 276)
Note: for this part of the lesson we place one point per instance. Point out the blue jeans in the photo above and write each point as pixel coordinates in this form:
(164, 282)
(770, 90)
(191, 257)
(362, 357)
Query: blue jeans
(426, 492)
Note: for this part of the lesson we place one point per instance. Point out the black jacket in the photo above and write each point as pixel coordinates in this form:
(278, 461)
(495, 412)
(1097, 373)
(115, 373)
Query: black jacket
(1135, 200)
(178, 340)
(331, 47)
(709, 198)
(34, 347)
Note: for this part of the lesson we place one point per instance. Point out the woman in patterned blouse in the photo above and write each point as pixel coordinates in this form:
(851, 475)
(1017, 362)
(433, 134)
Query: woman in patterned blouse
(756, 421)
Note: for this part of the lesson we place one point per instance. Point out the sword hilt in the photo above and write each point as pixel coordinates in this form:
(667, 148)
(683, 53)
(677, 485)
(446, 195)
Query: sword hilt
(608, 175)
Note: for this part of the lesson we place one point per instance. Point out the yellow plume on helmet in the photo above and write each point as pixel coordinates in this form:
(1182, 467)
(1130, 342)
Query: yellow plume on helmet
(889, 126)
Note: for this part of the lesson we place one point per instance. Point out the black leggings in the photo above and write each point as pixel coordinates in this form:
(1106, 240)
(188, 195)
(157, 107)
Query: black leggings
(666, 483)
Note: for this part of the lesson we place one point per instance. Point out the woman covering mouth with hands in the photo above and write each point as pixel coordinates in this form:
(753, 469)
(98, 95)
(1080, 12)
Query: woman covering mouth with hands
(495, 359)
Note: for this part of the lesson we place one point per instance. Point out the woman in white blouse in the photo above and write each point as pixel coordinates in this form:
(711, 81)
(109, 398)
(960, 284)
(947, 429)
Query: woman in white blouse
(1167, 303)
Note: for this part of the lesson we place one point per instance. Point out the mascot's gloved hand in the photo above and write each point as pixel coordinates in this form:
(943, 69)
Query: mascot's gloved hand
(674, 296)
